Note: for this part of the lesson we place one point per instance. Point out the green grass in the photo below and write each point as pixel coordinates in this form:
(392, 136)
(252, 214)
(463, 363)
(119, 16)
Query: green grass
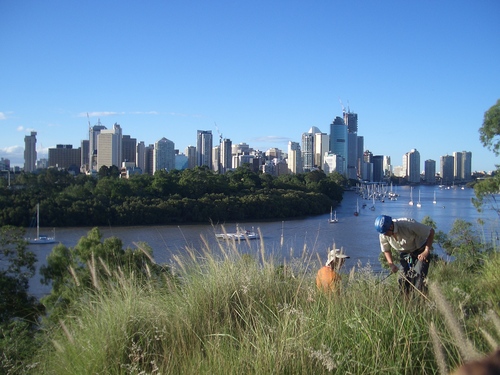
(244, 314)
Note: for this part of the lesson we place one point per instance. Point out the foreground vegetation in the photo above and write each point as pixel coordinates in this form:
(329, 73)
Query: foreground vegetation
(223, 311)
(191, 195)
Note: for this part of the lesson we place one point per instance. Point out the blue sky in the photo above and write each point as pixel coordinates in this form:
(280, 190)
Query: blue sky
(419, 74)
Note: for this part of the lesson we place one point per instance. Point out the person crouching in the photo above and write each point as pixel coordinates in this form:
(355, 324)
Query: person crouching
(328, 277)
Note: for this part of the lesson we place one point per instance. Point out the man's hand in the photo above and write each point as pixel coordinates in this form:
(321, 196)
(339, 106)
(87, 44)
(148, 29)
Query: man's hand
(394, 268)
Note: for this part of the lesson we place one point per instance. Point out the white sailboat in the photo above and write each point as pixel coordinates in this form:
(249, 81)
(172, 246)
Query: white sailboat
(434, 200)
(373, 204)
(333, 218)
(40, 239)
(411, 197)
(418, 203)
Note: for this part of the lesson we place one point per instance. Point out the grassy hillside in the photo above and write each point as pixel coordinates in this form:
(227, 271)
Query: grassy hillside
(244, 314)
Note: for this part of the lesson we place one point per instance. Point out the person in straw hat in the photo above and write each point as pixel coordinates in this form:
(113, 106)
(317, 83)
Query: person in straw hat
(328, 278)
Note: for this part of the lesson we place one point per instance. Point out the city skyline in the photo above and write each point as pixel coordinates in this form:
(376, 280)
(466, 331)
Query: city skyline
(261, 73)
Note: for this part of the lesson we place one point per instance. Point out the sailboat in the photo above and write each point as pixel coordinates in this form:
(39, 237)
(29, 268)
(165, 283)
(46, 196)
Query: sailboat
(40, 239)
(373, 205)
(411, 197)
(418, 203)
(333, 218)
(434, 200)
(356, 213)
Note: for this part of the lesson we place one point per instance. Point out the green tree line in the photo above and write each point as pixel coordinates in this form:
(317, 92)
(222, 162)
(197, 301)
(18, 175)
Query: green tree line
(191, 195)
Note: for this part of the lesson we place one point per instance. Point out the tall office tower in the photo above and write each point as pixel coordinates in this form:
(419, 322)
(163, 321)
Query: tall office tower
(109, 147)
(467, 165)
(140, 156)
(430, 171)
(352, 156)
(413, 166)
(387, 166)
(338, 140)
(164, 155)
(65, 156)
(321, 146)
(93, 134)
(308, 149)
(30, 152)
(457, 166)
(378, 168)
(332, 163)
(360, 161)
(149, 152)
(129, 149)
(191, 155)
(447, 164)
(84, 157)
(351, 121)
(226, 155)
(216, 159)
(294, 157)
(367, 172)
(204, 148)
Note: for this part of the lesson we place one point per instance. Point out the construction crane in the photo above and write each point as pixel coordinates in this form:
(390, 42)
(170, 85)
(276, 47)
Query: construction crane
(219, 133)
(343, 109)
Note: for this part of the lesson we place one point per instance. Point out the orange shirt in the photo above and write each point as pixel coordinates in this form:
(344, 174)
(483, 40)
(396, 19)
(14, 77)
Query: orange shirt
(327, 279)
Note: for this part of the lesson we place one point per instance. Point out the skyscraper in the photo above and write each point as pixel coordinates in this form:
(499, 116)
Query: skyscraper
(109, 147)
(447, 169)
(30, 152)
(321, 146)
(164, 155)
(191, 155)
(204, 148)
(351, 121)
(338, 140)
(294, 157)
(308, 149)
(129, 149)
(93, 134)
(226, 155)
(413, 166)
(430, 171)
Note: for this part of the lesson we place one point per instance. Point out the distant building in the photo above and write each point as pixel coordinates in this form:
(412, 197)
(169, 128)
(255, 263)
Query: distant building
(129, 149)
(308, 150)
(462, 166)
(65, 157)
(164, 155)
(140, 156)
(321, 146)
(109, 147)
(204, 148)
(181, 162)
(4, 164)
(226, 160)
(447, 165)
(378, 168)
(412, 162)
(84, 156)
(30, 152)
(191, 156)
(94, 132)
(338, 141)
(430, 171)
(333, 163)
(294, 157)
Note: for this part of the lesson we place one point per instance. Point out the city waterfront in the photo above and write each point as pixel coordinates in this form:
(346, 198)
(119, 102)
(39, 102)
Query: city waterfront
(307, 239)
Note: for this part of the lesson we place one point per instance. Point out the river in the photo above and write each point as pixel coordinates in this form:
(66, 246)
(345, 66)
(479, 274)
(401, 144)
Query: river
(306, 238)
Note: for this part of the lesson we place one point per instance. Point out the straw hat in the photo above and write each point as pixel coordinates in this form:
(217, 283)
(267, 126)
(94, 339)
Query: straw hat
(335, 254)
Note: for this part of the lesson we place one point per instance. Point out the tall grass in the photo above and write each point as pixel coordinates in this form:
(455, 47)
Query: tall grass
(244, 314)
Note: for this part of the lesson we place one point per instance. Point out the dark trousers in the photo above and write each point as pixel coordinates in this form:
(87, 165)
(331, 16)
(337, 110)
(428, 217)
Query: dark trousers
(415, 271)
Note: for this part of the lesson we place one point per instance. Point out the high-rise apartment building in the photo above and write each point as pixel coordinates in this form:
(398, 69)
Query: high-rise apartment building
(430, 171)
(30, 152)
(462, 166)
(447, 165)
(294, 157)
(204, 148)
(164, 155)
(308, 149)
(191, 155)
(216, 164)
(378, 168)
(84, 157)
(93, 134)
(338, 141)
(321, 146)
(109, 147)
(140, 156)
(226, 155)
(412, 161)
(351, 121)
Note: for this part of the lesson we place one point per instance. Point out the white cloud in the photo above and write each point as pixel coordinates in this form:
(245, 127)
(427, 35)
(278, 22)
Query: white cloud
(20, 128)
(100, 114)
(271, 139)
(3, 116)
